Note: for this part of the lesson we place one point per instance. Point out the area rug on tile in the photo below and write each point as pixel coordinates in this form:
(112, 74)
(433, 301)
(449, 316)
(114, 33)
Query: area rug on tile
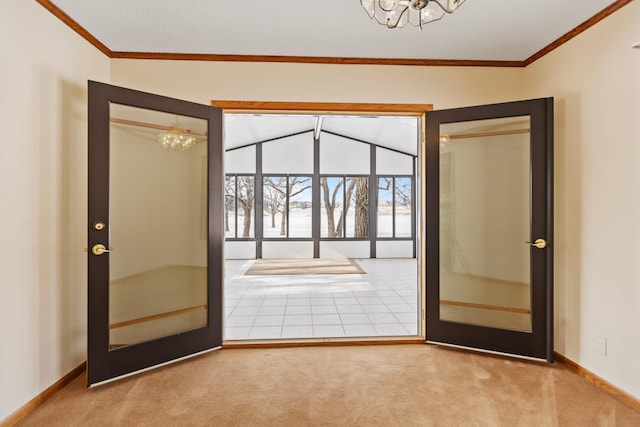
(283, 267)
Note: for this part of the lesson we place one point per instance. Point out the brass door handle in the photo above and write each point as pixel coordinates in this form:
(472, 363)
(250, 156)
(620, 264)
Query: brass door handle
(99, 249)
(539, 243)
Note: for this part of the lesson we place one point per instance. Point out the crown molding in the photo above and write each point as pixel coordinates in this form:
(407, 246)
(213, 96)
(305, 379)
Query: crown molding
(314, 59)
(577, 30)
(47, 4)
(75, 26)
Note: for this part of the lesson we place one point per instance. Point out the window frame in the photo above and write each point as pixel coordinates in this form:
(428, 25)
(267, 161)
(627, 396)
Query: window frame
(393, 236)
(287, 203)
(235, 237)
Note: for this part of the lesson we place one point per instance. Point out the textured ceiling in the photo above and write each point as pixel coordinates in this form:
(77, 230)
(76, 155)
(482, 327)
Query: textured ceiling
(480, 30)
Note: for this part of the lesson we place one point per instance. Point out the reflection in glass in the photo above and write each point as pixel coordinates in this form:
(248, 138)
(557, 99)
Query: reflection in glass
(158, 228)
(484, 223)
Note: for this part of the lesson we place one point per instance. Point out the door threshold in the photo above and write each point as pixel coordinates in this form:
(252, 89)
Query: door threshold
(320, 342)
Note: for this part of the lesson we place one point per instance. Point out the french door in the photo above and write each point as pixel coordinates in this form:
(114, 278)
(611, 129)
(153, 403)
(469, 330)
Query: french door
(489, 227)
(154, 230)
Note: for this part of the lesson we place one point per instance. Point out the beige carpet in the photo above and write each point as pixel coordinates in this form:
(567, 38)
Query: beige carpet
(390, 385)
(284, 267)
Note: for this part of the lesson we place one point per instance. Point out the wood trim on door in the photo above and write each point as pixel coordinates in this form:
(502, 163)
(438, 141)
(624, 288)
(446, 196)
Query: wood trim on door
(321, 107)
(418, 110)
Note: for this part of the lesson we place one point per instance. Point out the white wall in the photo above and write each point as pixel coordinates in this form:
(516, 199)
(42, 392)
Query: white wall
(343, 156)
(240, 250)
(242, 160)
(595, 79)
(391, 163)
(345, 249)
(290, 249)
(290, 155)
(43, 186)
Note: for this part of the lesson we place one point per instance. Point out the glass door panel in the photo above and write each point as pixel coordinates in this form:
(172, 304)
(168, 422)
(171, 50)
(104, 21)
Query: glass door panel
(489, 193)
(484, 223)
(158, 205)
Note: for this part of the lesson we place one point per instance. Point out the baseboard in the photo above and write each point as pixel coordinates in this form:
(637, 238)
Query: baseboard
(47, 394)
(599, 382)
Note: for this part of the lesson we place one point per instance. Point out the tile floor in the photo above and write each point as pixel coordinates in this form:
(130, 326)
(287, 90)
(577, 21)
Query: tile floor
(383, 302)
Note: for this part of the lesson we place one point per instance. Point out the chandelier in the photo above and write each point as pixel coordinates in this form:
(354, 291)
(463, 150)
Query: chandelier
(398, 13)
(176, 138)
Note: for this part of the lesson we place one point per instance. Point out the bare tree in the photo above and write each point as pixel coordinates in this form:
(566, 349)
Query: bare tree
(361, 206)
(403, 191)
(360, 201)
(229, 199)
(245, 199)
(330, 204)
(274, 197)
(276, 191)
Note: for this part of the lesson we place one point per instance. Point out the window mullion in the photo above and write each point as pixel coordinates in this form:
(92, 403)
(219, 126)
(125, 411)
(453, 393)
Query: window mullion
(235, 206)
(286, 205)
(393, 207)
(344, 206)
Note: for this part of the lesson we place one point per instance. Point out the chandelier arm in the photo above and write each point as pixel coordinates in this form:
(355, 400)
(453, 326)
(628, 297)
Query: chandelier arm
(397, 20)
(444, 8)
(381, 7)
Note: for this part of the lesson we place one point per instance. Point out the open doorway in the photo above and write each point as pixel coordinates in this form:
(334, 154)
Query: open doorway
(321, 234)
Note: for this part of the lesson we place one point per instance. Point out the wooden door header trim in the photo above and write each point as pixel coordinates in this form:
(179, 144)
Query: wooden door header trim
(322, 107)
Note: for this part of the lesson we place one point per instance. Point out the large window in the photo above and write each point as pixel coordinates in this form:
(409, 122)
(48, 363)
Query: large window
(395, 202)
(287, 206)
(352, 192)
(344, 206)
(239, 194)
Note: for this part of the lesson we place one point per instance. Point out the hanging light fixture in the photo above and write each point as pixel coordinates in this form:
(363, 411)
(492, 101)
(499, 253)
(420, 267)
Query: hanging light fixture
(398, 13)
(177, 138)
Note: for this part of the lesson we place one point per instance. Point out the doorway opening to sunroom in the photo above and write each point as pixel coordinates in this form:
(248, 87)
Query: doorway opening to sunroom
(321, 226)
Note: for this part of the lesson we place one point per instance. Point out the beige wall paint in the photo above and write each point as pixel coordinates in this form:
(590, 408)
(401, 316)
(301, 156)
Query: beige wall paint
(43, 174)
(43, 169)
(445, 87)
(595, 79)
